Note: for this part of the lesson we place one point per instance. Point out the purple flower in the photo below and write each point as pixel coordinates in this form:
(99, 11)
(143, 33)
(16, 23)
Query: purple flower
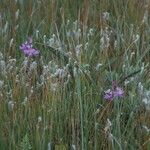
(115, 92)
(108, 94)
(118, 92)
(28, 50)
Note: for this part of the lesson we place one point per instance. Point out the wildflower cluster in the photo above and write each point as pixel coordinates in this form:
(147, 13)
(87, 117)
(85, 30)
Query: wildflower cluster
(115, 92)
(28, 50)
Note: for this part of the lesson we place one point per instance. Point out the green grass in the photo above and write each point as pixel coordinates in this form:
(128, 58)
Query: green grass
(41, 108)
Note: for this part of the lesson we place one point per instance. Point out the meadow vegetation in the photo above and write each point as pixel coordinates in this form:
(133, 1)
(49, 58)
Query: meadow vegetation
(56, 98)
